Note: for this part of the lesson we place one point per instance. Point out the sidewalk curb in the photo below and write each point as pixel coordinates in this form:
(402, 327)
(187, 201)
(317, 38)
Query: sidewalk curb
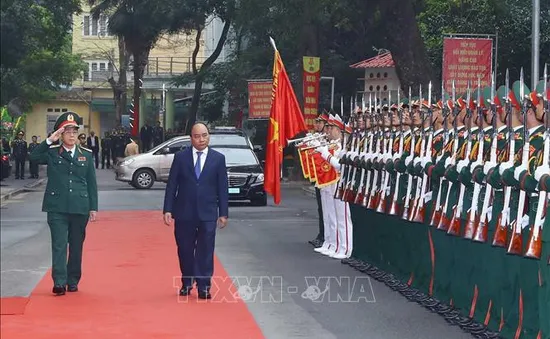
(20, 190)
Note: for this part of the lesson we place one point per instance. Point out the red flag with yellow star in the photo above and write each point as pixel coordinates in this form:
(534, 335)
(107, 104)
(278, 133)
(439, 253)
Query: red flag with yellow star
(285, 122)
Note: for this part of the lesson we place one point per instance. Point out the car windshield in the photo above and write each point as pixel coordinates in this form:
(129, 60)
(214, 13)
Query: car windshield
(238, 156)
(227, 140)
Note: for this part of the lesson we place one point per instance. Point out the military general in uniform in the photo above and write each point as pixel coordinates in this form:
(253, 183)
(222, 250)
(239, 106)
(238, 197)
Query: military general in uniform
(70, 199)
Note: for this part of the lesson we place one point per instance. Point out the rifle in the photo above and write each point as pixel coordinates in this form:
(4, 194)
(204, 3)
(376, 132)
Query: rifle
(359, 193)
(501, 233)
(436, 215)
(421, 143)
(419, 214)
(394, 209)
(369, 155)
(516, 242)
(480, 234)
(534, 244)
(387, 155)
(444, 222)
(473, 218)
(339, 192)
(410, 178)
(377, 152)
(454, 228)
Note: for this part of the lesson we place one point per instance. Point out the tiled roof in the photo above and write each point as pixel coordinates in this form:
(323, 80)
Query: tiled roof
(382, 60)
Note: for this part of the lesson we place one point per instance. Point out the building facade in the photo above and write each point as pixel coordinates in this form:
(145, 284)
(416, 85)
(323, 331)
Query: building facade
(91, 95)
(380, 78)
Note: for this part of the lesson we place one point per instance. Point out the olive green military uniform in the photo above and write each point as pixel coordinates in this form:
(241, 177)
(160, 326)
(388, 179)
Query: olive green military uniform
(71, 193)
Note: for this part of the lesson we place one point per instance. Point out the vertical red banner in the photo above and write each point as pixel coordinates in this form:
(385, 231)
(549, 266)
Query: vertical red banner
(464, 59)
(312, 76)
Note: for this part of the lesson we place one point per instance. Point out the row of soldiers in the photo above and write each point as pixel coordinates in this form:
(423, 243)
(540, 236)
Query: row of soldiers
(475, 169)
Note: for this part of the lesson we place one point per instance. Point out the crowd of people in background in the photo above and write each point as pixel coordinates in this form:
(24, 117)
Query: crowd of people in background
(115, 145)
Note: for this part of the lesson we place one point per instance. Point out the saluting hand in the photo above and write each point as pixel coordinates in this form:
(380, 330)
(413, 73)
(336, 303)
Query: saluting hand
(56, 135)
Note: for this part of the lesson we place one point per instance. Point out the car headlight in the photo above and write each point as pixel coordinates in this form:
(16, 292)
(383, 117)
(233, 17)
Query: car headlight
(260, 178)
(126, 162)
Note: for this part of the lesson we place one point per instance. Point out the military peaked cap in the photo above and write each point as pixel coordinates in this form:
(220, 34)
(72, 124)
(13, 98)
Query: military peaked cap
(67, 119)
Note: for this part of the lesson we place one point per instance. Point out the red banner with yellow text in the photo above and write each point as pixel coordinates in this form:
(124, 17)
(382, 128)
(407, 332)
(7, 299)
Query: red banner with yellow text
(259, 99)
(464, 59)
(311, 78)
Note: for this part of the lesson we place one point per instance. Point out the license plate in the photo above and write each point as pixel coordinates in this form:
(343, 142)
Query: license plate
(234, 191)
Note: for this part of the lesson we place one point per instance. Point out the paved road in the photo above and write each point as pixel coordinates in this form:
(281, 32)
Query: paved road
(263, 249)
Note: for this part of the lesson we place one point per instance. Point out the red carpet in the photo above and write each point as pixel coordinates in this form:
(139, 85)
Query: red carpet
(129, 290)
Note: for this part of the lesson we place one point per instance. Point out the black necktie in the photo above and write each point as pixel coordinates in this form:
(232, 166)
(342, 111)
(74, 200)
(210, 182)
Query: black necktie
(70, 154)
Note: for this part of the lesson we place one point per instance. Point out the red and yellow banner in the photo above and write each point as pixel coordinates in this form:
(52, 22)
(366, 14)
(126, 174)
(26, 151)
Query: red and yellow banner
(464, 59)
(325, 174)
(259, 99)
(311, 78)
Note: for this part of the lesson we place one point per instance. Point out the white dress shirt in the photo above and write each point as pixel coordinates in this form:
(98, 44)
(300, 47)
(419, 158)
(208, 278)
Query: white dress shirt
(203, 157)
(72, 150)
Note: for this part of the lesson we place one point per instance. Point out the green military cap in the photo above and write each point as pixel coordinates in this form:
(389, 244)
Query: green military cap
(538, 93)
(67, 119)
(404, 102)
(514, 94)
(500, 98)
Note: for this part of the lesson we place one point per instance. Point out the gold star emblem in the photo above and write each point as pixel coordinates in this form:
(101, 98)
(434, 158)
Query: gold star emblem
(275, 129)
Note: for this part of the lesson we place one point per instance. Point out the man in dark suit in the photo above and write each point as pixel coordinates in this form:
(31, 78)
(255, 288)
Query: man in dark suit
(93, 145)
(197, 198)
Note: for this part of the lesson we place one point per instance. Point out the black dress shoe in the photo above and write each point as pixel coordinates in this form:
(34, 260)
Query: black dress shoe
(72, 288)
(59, 290)
(204, 295)
(185, 291)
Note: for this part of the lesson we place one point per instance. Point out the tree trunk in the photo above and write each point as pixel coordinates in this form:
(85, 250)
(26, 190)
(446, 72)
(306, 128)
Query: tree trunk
(406, 45)
(140, 62)
(120, 87)
(199, 77)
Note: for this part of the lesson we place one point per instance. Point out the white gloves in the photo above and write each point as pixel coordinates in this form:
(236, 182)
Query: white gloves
(541, 170)
(504, 166)
(519, 170)
(488, 166)
(461, 164)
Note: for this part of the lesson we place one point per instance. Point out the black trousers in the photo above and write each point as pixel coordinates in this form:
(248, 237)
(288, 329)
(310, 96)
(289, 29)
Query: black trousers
(19, 168)
(105, 156)
(33, 168)
(96, 158)
(321, 235)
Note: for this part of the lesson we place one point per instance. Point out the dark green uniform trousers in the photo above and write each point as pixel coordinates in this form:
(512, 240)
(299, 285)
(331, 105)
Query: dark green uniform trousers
(67, 229)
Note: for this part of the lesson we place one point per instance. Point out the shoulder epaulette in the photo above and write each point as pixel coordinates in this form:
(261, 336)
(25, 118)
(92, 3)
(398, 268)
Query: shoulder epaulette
(84, 148)
(55, 146)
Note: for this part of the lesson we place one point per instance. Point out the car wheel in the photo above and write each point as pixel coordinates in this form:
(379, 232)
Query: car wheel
(260, 201)
(143, 179)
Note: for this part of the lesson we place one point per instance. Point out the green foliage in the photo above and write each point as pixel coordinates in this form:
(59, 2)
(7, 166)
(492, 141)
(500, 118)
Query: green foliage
(36, 49)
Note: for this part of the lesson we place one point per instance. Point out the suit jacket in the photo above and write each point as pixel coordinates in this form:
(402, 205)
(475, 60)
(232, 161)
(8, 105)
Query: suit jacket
(72, 185)
(94, 149)
(189, 198)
